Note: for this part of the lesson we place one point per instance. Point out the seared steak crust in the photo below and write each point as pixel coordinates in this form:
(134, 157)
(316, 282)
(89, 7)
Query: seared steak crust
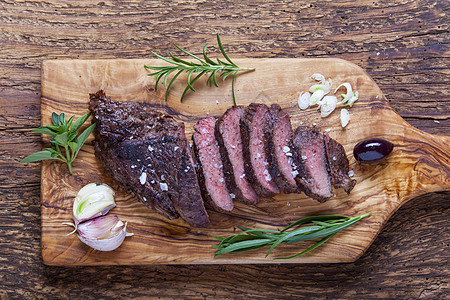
(338, 164)
(279, 136)
(147, 153)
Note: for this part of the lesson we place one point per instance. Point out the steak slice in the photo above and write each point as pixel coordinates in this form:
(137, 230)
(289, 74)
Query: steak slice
(147, 153)
(228, 134)
(210, 166)
(310, 158)
(338, 164)
(255, 142)
(280, 156)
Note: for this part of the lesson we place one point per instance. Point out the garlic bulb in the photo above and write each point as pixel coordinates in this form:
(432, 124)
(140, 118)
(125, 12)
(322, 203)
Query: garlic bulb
(95, 229)
(93, 200)
(105, 233)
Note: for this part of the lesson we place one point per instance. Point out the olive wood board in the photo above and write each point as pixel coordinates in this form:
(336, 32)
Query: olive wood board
(419, 163)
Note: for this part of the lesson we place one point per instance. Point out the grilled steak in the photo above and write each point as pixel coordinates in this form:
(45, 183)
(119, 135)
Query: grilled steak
(338, 164)
(147, 153)
(280, 155)
(309, 156)
(228, 135)
(255, 135)
(209, 165)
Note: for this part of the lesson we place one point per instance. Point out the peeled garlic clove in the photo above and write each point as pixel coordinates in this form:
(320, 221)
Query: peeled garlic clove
(105, 233)
(318, 77)
(316, 97)
(345, 117)
(328, 105)
(349, 93)
(303, 100)
(93, 200)
(353, 99)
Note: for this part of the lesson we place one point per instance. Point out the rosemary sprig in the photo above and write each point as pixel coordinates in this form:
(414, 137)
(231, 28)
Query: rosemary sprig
(65, 135)
(325, 227)
(196, 69)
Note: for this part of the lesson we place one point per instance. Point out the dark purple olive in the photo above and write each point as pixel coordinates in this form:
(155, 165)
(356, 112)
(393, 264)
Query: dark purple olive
(372, 150)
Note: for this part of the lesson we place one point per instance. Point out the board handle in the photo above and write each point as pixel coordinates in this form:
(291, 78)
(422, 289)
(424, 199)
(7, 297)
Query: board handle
(426, 158)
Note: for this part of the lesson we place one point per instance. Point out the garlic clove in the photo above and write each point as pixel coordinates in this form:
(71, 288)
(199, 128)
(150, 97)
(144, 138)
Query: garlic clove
(105, 233)
(316, 97)
(303, 100)
(318, 77)
(345, 117)
(349, 93)
(93, 200)
(328, 105)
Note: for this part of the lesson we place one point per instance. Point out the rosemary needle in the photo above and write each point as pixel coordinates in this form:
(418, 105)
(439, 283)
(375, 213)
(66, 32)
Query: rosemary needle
(196, 69)
(325, 227)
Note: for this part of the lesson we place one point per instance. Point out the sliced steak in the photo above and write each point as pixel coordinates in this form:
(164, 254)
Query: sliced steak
(210, 166)
(255, 142)
(338, 164)
(310, 158)
(228, 134)
(279, 135)
(147, 153)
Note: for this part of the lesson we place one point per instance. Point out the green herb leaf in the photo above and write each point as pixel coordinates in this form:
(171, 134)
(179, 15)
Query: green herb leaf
(64, 134)
(44, 130)
(41, 155)
(83, 137)
(199, 67)
(325, 227)
(79, 122)
(55, 119)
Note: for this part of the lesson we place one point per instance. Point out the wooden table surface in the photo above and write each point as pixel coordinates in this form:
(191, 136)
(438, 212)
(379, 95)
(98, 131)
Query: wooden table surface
(402, 44)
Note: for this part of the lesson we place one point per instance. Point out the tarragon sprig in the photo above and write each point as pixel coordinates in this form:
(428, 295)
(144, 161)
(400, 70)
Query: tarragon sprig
(64, 136)
(196, 69)
(325, 227)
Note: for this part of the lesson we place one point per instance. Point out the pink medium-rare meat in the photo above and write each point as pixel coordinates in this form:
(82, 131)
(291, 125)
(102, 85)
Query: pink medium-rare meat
(228, 134)
(310, 159)
(279, 149)
(210, 166)
(338, 164)
(255, 135)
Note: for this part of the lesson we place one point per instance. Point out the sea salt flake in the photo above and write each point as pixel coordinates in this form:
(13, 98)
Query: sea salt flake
(242, 176)
(175, 148)
(258, 155)
(267, 176)
(351, 173)
(164, 187)
(334, 158)
(286, 149)
(143, 178)
(304, 157)
(294, 173)
(150, 148)
(288, 203)
(232, 196)
(220, 179)
(133, 166)
(152, 182)
(328, 130)
(162, 177)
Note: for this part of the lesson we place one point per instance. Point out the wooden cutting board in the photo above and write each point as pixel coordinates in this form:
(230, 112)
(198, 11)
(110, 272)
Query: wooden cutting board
(419, 164)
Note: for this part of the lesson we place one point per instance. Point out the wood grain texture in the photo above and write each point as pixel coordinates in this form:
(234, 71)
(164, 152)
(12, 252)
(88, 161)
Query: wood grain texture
(419, 164)
(402, 44)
